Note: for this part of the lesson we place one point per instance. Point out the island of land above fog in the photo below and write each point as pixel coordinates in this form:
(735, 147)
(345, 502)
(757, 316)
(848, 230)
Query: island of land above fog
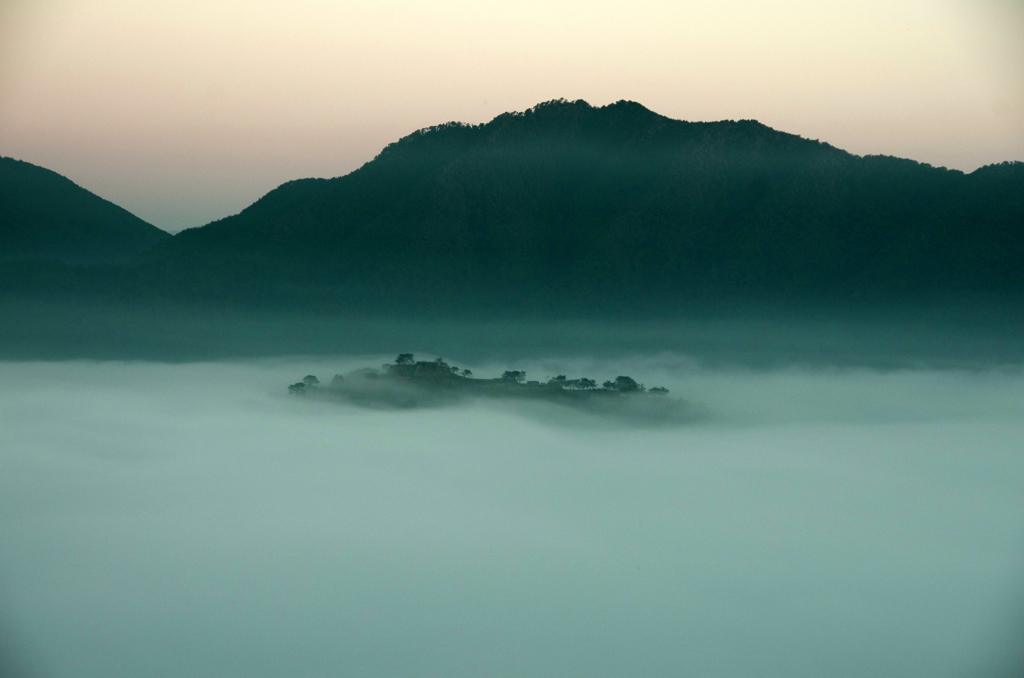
(408, 384)
(572, 209)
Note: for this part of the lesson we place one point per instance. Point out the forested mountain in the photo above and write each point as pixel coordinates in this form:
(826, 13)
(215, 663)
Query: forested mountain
(46, 216)
(572, 205)
(564, 207)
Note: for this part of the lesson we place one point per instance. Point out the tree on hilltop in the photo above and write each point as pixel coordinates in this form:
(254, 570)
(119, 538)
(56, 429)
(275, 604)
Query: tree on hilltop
(582, 384)
(625, 384)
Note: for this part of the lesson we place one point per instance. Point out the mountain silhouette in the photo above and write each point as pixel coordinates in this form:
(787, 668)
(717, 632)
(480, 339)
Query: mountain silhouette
(572, 205)
(45, 216)
(565, 208)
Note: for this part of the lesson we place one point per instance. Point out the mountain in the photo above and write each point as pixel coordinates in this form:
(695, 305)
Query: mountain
(44, 216)
(573, 206)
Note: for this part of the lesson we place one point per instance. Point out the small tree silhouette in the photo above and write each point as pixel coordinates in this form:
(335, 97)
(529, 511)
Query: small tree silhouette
(625, 384)
(310, 380)
(404, 359)
(516, 376)
(297, 388)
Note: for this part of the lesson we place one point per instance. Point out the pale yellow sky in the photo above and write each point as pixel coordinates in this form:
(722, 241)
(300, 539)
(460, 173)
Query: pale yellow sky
(186, 111)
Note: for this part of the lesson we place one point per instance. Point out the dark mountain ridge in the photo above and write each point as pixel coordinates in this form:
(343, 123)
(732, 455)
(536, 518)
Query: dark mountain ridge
(45, 216)
(572, 206)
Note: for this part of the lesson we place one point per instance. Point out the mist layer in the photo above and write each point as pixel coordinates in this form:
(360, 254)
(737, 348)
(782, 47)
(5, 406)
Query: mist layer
(185, 520)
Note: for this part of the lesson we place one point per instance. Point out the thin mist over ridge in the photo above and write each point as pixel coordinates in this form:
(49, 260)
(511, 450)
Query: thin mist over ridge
(561, 213)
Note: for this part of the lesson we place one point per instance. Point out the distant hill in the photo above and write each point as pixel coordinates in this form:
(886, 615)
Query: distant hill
(44, 216)
(572, 206)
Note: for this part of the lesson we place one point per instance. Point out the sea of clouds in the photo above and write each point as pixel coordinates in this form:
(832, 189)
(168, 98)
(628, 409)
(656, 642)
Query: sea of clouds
(195, 520)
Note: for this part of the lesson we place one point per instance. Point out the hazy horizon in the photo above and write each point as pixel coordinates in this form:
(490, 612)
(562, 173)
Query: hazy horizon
(187, 112)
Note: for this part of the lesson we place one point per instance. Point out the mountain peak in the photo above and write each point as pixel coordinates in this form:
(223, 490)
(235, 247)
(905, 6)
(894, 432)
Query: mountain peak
(44, 215)
(571, 205)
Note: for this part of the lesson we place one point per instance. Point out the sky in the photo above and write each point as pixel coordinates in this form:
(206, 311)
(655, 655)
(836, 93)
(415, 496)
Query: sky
(187, 111)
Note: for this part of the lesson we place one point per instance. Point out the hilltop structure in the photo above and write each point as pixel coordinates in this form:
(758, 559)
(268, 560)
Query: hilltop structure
(407, 384)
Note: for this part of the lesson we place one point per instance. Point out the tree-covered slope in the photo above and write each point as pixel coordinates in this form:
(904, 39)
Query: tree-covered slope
(46, 216)
(576, 205)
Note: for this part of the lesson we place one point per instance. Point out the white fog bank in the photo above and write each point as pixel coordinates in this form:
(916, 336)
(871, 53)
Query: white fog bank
(194, 520)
